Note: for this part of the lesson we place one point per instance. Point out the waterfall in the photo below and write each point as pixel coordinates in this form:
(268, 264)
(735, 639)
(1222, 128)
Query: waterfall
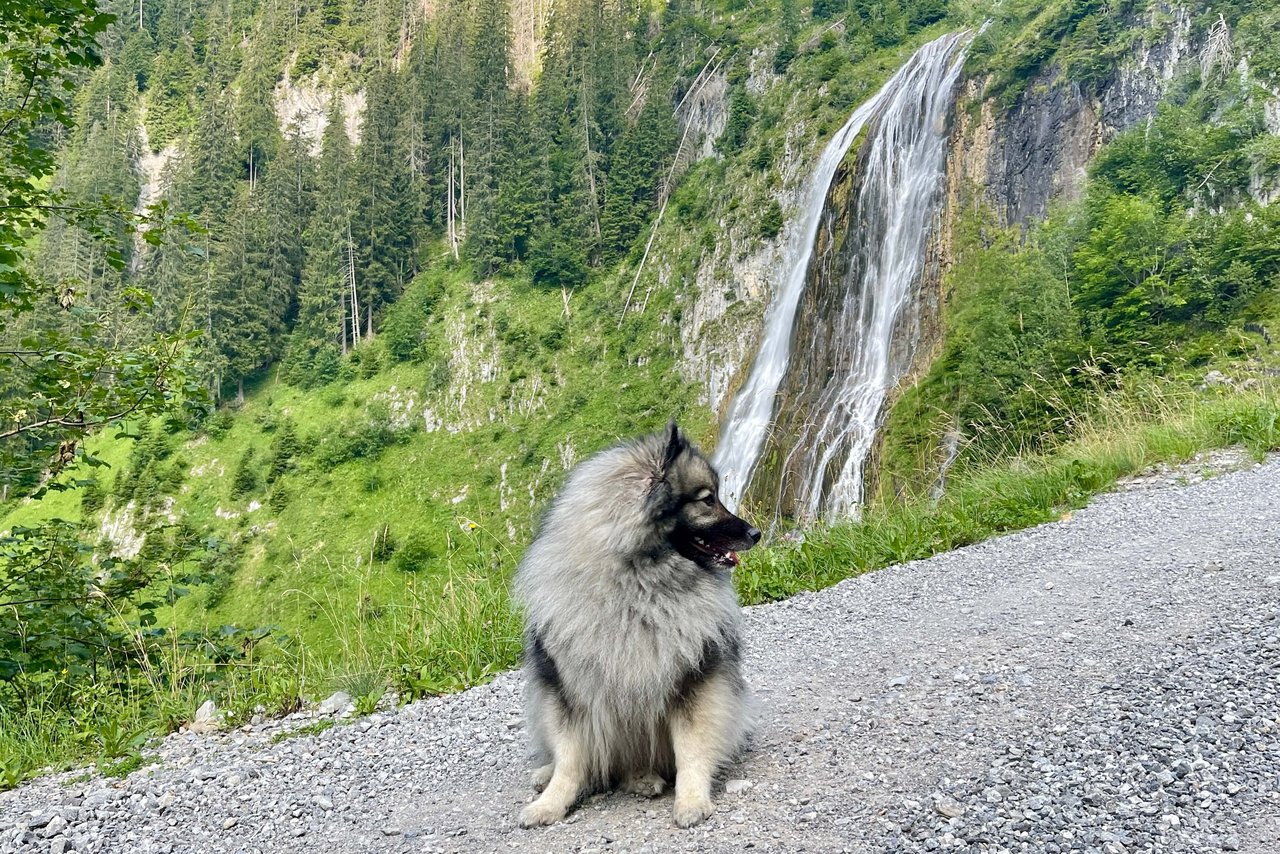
(899, 172)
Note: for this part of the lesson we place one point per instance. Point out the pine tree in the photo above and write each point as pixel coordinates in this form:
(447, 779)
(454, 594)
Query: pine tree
(522, 180)
(489, 69)
(566, 238)
(639, 166)
(286, 207)
(256, 125)
(322, 322)
(384, 226)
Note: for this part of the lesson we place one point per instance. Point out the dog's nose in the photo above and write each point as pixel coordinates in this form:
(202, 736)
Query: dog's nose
(754, 534)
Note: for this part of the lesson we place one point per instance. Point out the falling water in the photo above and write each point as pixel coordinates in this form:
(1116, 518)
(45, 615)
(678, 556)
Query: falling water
(751, 413)
(899, 179)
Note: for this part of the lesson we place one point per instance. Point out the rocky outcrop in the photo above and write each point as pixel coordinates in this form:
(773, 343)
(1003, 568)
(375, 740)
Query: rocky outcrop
(305, 104)
(1038, 151)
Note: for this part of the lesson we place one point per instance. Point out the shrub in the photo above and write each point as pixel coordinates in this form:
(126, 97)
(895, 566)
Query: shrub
(219, 424)
(771, 220)
(245, 479)
(415, 553)
(384, 544)
(286, 447)
(92, 498)
(279, 498)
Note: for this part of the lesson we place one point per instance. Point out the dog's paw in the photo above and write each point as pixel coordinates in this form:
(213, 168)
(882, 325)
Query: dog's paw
(541, 813)
(646, 785)
(542, 776)
(692, 810)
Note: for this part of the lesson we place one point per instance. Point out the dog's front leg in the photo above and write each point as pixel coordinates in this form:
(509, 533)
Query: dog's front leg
(567, 777)
(699, 737)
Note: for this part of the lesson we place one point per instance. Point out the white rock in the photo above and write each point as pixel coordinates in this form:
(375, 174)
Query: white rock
(206, 719)
(737, 787)
(336, 702)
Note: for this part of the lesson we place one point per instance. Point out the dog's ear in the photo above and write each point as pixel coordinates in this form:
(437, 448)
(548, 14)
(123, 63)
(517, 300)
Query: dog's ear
(674, 443)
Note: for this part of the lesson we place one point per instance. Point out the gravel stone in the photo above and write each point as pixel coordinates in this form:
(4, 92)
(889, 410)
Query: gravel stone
(1131, 707)
(335, 703)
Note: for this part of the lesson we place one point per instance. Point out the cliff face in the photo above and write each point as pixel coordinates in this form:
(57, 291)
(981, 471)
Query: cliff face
(1018, 159)
(1038, 151)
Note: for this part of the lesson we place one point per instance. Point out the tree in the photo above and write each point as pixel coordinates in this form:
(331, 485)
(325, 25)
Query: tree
(489, 69)
(639, 166)
(384, 226)
(326, 282)
(522, 180)
(60, 381)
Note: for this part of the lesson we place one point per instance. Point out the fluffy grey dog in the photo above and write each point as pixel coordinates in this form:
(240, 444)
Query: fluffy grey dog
(632, 631)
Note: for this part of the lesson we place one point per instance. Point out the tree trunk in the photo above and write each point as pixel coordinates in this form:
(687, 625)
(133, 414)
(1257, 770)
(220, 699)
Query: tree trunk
(342, 300)
(239, 391)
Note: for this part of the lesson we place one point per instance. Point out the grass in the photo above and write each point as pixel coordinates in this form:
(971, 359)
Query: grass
(310, 729)
(1129, 433)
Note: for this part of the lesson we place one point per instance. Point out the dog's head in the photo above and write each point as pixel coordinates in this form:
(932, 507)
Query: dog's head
(685, 495)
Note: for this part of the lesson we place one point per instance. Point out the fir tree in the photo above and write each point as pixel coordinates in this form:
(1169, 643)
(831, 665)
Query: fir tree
(322, 321)
(522, 180)
(489, 69)
(639, 165)
(384, 225)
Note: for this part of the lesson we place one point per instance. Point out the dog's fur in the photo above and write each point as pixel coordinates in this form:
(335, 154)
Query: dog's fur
(632, 631)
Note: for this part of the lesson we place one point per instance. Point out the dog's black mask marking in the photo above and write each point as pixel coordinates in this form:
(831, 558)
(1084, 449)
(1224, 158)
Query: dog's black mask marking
(705, 531)
(715, 546)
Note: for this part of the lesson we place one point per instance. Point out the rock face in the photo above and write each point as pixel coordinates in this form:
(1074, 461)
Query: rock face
(856, 326)
(1037, 151)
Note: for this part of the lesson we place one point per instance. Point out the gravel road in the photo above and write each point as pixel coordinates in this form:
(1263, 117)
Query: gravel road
(1107, 683)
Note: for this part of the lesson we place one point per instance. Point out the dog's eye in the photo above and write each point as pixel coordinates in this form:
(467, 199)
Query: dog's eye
(709, 499)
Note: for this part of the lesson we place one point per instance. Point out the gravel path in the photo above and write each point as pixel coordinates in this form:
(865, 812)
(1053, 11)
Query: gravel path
(1108, 683)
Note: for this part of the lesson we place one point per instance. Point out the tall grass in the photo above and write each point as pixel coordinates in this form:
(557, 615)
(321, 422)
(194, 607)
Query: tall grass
(1128, 432)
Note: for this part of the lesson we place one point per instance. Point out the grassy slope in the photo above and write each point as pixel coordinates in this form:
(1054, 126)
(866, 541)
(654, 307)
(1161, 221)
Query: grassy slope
(532, 404)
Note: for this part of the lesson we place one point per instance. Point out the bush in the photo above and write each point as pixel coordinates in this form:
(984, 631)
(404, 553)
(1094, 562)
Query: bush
(286, 448)
(245, 479)
(415, 553)
(323, 368)
(771, 220)
(279, 498)
(219, 424)
(368, 360)
(782, 59)
(384, 544)
(92, 498)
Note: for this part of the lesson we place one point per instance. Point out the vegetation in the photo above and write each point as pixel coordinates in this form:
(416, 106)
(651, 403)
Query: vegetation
(1166, 267)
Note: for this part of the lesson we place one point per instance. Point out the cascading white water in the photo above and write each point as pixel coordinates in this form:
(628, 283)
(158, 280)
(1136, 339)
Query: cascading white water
(751, 413)
(899, 183)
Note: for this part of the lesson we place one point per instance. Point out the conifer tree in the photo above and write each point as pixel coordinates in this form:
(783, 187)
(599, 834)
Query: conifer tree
(522, 179)
(322, 320)
(639, 166)
(489, 43)
(286, 207)
(384, 226)
(256, 126)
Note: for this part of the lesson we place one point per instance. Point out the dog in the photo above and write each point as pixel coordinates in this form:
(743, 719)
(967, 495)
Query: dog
(633, 641)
